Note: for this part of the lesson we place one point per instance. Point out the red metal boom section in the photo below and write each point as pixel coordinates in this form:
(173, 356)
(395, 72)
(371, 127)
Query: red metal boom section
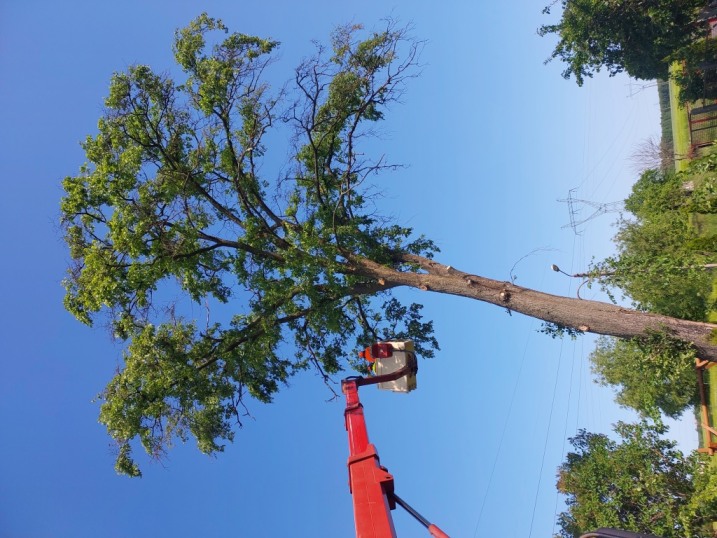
(370, 483)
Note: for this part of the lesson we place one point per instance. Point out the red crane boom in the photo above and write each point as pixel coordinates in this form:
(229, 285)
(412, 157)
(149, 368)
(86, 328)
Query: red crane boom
(370, 483)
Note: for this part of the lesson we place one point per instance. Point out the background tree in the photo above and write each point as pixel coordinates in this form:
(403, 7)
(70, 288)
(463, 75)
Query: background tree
(635, 36)
(172, 204)
(653, 154)
(699, 514)
(663, 258)
(652, 375)
(640, 483)
(663, 264)
(697, 76)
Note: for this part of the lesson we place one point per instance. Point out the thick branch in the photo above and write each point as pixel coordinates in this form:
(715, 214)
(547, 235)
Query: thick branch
(587, 316)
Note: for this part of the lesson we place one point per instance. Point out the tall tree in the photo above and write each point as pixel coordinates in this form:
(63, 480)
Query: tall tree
(635, 36)
(172, 203)
(640, 484)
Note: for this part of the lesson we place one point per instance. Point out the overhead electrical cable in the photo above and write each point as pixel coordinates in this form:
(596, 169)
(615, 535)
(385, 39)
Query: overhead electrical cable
(547, 436)
(505, 428)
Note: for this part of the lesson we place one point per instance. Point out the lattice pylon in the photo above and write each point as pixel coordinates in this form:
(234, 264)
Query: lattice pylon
(574, 210)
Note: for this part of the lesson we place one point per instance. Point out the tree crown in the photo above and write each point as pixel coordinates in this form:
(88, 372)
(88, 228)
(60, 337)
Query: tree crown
(640, 484)
(635, 36)
(172, 206)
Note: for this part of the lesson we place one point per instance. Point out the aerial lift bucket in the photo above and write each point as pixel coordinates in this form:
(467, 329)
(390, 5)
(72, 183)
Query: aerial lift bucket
(390, 357)
(394, 365)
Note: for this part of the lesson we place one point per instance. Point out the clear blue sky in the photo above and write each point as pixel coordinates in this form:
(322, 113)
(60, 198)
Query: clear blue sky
(492, 138)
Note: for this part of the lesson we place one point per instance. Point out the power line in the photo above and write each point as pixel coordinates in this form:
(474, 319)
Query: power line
(547, 437)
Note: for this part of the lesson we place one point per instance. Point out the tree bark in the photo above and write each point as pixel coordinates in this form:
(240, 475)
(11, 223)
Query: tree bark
(585, 316)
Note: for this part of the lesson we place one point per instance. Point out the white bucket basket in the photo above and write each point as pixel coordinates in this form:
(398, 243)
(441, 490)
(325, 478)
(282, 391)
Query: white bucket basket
(402, 354)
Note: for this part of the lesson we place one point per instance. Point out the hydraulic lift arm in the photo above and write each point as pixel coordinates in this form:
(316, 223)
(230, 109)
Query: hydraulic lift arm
(370, 483)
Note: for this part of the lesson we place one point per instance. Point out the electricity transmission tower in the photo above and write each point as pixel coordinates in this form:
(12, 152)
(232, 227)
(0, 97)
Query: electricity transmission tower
(576, 207)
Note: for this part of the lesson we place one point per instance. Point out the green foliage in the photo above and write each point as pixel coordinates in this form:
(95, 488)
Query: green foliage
(697, 75)
(663, 264)
(702, 173)
(640, 484)
(698, 515)
(171, 209)
(653, 374)
(635, 36)
(555, 330)
(656, 192)
(667, 139)
(661, 254)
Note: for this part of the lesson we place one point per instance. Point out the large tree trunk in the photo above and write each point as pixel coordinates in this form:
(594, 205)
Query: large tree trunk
(586, 316)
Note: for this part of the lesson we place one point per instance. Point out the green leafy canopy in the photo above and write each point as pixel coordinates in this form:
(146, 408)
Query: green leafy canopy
(664, 254)
(664, 264)
(640, 483)
(172, 206)
(635, 36)
(653, 375)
